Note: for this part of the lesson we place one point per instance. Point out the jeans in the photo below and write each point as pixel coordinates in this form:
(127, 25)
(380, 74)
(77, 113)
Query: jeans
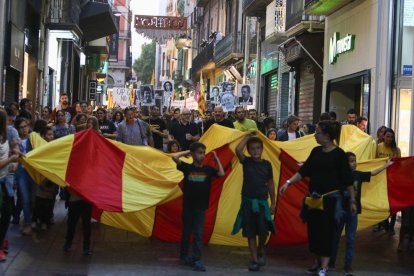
(6, 211)
(79, 209)
(26, 192)
(193, 223)
(350, 222)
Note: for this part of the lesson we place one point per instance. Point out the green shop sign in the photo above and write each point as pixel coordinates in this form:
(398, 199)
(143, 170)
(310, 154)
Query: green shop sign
(339, 46)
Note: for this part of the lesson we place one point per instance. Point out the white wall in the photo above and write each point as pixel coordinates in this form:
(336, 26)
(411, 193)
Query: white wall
(361, 18)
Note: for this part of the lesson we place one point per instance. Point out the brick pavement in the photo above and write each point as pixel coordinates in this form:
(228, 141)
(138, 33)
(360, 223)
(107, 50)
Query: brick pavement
(118, 252)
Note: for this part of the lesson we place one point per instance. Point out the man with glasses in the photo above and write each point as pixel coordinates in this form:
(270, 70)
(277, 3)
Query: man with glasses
(242, 123)
(106, 127)
(185, 131)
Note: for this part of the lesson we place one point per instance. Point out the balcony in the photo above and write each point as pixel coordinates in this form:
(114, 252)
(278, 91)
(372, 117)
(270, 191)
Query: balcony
(204, 59)
(64, 15)
(255, 7)
(324, 7)
(228, 50)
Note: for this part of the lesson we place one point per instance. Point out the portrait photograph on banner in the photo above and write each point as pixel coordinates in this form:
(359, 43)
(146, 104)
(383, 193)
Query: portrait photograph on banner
(159, 93)
(227, 98)
(214, 94)
(168, 88)
(146, 95)
(245, 94)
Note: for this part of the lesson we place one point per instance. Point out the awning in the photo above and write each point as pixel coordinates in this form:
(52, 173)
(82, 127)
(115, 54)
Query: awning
(98, 46)
(97, 20)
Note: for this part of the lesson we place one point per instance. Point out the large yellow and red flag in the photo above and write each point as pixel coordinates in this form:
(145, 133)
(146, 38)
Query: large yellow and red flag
(137, 188)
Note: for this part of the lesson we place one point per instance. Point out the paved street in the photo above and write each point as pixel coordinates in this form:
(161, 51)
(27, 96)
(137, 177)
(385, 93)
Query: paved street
(117, 252)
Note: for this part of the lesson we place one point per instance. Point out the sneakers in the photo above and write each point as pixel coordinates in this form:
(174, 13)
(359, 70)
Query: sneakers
(2, 256)
(254, 267)
(322, 272)
(5, 246)
(261, 260)
(199, 266)
(348, 271)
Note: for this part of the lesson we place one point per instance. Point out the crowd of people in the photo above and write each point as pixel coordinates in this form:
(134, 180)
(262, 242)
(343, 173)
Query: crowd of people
(332, 173)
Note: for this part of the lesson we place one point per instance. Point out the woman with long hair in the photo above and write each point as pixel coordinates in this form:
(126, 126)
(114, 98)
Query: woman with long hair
(92, 123)
(7, 194)
(329, 172)
(61, 128)
(272, 134)
(78, 208)
(47, 115)
(26, 188)
(80, 122)
(173, 146)
(117, 118)
(380, 134)
(387, 149)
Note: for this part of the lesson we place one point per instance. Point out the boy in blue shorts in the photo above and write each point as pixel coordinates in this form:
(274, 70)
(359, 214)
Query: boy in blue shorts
(254, 216)
(196, 197)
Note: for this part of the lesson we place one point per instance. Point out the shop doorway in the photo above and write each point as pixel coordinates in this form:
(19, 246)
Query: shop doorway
(349, 92)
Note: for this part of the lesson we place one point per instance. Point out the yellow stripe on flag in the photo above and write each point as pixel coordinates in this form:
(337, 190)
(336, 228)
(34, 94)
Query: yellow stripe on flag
(128, 221)
(51, 161)
(374, 195)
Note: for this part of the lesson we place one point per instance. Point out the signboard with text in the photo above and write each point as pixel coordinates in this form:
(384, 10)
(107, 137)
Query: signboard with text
(160, 22)
(339, 46)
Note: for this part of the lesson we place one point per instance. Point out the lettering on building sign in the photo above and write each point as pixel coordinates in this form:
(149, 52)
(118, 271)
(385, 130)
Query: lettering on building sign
(160, 22)
(339, 46)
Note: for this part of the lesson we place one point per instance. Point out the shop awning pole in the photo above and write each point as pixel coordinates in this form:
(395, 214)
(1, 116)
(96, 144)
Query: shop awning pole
(309, 54)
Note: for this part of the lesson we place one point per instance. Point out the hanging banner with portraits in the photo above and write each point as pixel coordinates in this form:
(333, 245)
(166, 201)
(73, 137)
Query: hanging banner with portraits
(227, 98)
(146, 95)
(159, 98)
(245, 94)
(168, 88)
(214, 94)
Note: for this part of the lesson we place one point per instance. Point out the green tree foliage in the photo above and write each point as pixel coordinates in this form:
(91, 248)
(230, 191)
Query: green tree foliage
(145, 63)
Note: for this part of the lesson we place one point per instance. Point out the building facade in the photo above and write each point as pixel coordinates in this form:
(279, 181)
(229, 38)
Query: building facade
(368, 61)
(52, 47)
(120, 56)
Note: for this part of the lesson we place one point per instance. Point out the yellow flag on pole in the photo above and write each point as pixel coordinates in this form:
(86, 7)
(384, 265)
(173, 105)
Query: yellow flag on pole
(202, 96)
(153, 78)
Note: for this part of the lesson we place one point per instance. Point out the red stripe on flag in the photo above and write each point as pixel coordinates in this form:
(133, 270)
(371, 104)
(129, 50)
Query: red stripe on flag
(95, 170)
(289, 227)
(400, 183)
(168, 223)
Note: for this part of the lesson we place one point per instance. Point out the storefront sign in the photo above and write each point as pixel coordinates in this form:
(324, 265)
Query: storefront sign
(16, 48)
(160, 22)
(407, 70)
(339, 46)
